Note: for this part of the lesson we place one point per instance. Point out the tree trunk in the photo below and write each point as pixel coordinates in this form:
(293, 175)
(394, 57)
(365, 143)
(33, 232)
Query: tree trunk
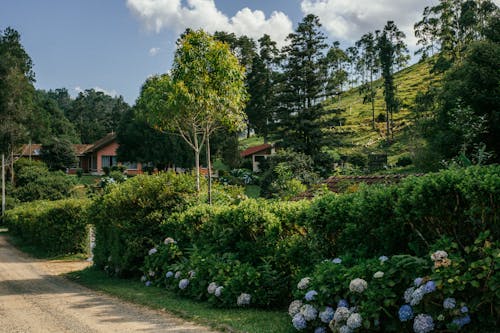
(372, 97)
(3, 184)
(197, 161)
(388, 126)
(209, 168)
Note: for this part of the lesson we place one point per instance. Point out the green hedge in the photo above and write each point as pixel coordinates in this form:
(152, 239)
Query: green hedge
(407, 218)
(128, 218)
(55, 227)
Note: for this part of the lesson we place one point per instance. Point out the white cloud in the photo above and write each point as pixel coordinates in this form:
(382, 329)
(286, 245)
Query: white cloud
(172, 14)
(348, 20)
(154, 51)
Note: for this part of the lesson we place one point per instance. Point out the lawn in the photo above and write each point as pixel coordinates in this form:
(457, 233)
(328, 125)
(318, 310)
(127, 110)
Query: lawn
(229, 320)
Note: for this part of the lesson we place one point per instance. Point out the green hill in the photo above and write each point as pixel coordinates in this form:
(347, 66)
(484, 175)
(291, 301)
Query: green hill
(355, 130)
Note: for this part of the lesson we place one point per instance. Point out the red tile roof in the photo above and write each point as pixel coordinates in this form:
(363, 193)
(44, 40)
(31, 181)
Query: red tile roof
(255, 149)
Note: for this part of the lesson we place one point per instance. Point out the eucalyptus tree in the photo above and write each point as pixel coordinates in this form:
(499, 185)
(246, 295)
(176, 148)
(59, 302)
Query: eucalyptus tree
(393, 54)
(205, 91)
(369, 64)
(450, 26)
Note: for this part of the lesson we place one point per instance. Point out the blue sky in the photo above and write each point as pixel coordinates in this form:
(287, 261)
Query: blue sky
(114, 45)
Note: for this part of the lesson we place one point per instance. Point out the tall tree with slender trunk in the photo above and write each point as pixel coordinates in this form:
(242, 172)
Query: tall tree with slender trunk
(392, 52)
(206, 91)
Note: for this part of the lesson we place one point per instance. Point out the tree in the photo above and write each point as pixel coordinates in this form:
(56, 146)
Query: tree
(450, 26)
(303, 87)
(58, 154)
(48, 121)
(94, 114)
(337, 61)
(467, 120)
(139, 142)
(369, 62)
(392, 53)
(261, 87)
(16, 93)
(206, 91)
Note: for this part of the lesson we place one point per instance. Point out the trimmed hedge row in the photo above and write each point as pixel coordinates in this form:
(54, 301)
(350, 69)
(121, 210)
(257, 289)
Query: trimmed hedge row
(282, 241)
(55, 227)
(127, 218)
(410, 217)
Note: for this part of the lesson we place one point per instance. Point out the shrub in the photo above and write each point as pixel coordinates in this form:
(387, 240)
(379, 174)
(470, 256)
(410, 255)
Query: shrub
(55, 227)
(129, 216)
(37, 183)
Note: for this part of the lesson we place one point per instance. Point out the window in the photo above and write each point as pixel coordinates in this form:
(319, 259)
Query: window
(130, 165)
(108, 161)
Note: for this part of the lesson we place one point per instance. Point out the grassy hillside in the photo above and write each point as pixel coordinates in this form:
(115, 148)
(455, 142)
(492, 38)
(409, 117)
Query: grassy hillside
(355, 130)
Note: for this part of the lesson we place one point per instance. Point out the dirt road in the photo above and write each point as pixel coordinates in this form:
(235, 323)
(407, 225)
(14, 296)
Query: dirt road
(34, 299)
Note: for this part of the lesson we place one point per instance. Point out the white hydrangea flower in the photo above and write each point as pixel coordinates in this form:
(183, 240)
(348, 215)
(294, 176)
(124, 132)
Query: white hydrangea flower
(358, 285)
(378, 275)
(309, 312)
(211, 287)
(218, 291)
(341, 314)
(183, 283)
(169, 240)
(177, 274)
(439, 255)
(191, 274)
(244, 299)
(294, 308)
(152, 251)
(151, 273)
(144, 278)
(354, 321)
(303, 283)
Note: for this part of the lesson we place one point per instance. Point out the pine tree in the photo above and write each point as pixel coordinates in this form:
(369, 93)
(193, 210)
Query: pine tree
(299, 116)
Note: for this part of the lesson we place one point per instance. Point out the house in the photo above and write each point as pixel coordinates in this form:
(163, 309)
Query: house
(257, 154)
(92, 158)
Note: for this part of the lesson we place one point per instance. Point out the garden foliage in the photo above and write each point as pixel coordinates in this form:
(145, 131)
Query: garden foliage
(55, 227)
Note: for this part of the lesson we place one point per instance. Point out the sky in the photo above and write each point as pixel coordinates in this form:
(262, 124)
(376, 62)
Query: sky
(115, 45)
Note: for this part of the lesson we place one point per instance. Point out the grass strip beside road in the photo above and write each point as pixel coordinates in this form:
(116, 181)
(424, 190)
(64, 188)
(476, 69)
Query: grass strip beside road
(229, 320)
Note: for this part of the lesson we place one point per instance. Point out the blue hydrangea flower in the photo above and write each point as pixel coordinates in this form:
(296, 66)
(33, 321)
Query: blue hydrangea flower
(183, 283)
(169, 274)
(462, 321)
(429, 287)
(343, 304)
(326, 316)
(423, 323)
(148, 283)
(337, 261)
(345, 329)
(383, 258)
(299, 322)
(320, 330)
(418, 281)
(417, 296)
(309, 312)
(449, 303)
(464, 309)
(311, 295)
(405, 313)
